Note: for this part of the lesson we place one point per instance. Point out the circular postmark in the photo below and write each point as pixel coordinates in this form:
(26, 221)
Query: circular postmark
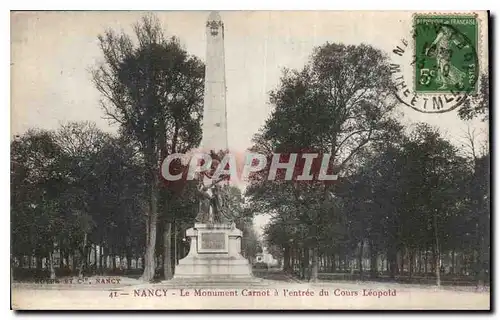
(436, 69)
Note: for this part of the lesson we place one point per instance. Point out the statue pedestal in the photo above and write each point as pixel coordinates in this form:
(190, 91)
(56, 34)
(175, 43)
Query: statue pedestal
(215, 253)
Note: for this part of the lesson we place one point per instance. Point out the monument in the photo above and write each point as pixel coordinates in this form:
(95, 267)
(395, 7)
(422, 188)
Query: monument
(215, 242)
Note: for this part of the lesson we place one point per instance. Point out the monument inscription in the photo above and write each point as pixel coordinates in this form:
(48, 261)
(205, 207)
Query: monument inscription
(213, 242)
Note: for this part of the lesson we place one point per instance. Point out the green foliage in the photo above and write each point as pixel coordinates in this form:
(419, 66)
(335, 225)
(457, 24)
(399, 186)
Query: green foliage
(74, 182)
(340, 104)
(154, 91)
(36, 212)
(399, 192)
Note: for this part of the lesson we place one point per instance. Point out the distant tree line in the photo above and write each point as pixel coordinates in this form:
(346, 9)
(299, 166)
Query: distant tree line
(78, 194)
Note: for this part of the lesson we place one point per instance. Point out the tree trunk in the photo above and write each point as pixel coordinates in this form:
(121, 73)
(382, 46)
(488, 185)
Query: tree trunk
(176, 251)
(95, 259)
(351, 264)
(88, 258)
(101, 259)
(51, 265)
(419, 261)
(296, 260)
(481, 261)
(314, 265)
(453, 261)
(61, 259)
(437, 253)
(411, 262)
(83, 257)
(67, 260)
(360, 259)
(39, 265)
(12, 264)
(392, 262)
(426, 258)
(149, 263)
(305, 263)
(373, 260)
(301, 262)
(402, 267)
(286, 259)
(106, 261)
(75, 269)
(167, 251)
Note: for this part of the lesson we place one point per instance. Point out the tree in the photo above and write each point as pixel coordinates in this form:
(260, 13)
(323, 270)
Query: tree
(75, 189)
(475, 106)
(478, 206)
(36, 209)
(412, 191)
(82, 144)
(243, 220)
(338, 104)
(120, 230)
(480, 215)
(178, 213)
(154, 91)
(443, 171)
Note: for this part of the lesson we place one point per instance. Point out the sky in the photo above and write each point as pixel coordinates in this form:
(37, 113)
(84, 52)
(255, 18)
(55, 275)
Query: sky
(51, 53)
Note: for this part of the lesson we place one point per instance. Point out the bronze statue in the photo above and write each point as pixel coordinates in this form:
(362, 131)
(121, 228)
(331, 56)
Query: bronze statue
(213, 197)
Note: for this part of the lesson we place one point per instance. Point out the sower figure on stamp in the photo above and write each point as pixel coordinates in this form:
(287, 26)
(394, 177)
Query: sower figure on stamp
(447, 73)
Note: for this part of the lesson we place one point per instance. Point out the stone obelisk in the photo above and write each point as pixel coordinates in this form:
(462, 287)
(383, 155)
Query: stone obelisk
(214, 112)
(215, 246)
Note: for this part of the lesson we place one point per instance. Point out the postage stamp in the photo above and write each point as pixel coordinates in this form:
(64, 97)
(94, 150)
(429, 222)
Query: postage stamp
(437, 67)
(445, 53)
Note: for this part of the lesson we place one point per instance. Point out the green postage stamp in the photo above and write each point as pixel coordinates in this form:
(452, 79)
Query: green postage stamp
(445, 53)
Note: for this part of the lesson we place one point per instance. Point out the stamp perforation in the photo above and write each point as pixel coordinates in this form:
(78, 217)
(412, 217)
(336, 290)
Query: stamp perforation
(478, 46)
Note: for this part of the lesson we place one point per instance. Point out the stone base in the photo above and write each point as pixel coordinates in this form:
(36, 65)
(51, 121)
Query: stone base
(220, 261)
